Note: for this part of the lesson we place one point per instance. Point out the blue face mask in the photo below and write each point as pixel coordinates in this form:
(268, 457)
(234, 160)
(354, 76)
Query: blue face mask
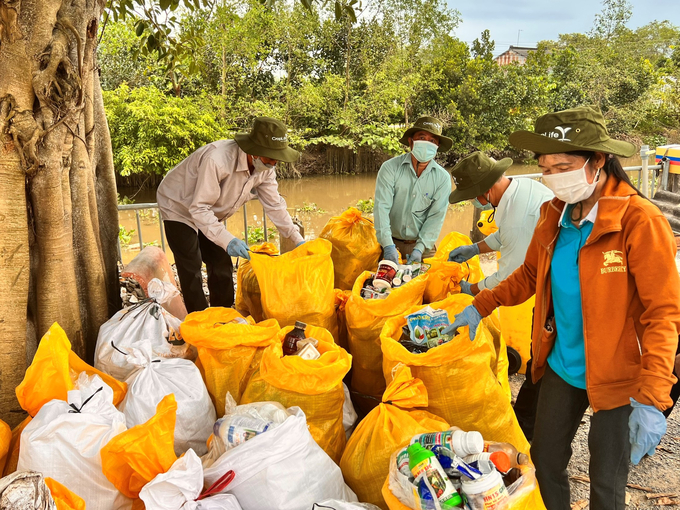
(478, 205)
(424, 151)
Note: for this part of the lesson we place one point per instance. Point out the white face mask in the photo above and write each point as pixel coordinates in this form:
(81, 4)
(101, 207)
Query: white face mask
(260, 166)
(572, 186)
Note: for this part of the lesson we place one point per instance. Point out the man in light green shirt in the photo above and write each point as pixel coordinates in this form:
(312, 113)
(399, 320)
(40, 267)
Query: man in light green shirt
(411, 194)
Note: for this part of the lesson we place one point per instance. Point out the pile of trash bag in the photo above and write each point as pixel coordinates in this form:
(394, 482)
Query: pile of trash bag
(248, 408)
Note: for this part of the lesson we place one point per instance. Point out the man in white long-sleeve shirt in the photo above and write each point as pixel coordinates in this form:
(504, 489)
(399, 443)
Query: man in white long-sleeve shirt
(210, 186)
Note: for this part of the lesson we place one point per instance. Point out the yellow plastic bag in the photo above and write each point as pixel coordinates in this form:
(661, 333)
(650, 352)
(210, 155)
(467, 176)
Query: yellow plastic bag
(135, 457)
(461, 384)
(525, 495)
(444, 276)
(228, 352)
(12, 458)
(355, 246)
(388, 427)
(341, 298)
(248, 299)
(298, 285)
(64, 498)
(53, 372)
(365, 319)
(500, 364)
(5, 443)
(516, 324)
(313, 385)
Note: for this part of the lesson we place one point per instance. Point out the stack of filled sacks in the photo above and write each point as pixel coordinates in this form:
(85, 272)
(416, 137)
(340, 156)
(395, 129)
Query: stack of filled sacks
(461, 376)
(365, 319)
(444, 277)
(248, 296)
(355, 246)
(298, 285)
(391, 425)
(229, 348)
(315, 386)
(147, 322)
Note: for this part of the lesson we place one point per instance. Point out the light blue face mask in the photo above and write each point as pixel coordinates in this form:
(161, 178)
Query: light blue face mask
(424, 151)
(478, 205)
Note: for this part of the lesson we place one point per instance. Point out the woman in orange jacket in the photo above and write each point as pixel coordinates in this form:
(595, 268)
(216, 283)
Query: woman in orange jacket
(607, 317)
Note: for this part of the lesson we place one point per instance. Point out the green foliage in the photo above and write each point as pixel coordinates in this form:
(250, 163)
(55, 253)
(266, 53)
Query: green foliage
(309, 208)
(125, 236)
(151, 132)
(256, 234)
(123, 200)
(358, 83)
(365, 206)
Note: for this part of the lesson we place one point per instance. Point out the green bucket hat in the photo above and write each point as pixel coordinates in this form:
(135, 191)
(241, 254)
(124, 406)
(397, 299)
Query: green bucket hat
(577, 129)
(475, 174)
(268, 138)
(431, 125)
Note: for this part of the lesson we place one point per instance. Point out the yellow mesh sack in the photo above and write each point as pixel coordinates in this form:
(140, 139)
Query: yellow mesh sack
(388, 427)
(228, 352)
(355, 246)
(365, 319)
(516, 324)
(248, 300)
(298, 285)
(313, 385)
(53, 372)
(64, 498)
(12, 458)
(461, 384)
(135, 457)
(341, 298)
(526, 496)
(5, 443)
(444, 276)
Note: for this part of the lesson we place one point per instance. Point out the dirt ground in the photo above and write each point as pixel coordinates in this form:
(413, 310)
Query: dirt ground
(659, 474)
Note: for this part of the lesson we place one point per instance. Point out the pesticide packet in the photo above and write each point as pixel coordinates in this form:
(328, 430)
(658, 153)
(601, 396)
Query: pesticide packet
(426, 327)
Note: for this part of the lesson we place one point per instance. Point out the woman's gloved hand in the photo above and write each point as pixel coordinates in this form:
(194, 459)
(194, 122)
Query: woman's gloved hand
(463, 253)
(646, 425)
(468, 317)
(238, 248)
(466, 288)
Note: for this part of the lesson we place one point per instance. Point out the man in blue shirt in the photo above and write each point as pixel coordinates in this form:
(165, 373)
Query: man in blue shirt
(411, 194)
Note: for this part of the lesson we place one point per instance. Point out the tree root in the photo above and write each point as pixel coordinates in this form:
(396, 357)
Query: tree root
(9, 14)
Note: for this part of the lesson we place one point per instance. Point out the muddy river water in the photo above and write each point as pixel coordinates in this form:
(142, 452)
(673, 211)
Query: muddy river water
(313, 199)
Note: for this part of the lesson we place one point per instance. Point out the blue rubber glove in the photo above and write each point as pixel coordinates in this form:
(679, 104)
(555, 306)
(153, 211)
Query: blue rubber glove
(300, 243)
(466, 288)
(468, 317)
(463, 253)
(647, 426)
(390, 253)
(238, 248)
(415, 256)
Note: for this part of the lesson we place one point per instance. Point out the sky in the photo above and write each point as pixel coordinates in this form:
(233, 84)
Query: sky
(539, 20)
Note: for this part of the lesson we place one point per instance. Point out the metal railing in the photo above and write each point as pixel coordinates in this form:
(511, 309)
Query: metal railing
(152, 205)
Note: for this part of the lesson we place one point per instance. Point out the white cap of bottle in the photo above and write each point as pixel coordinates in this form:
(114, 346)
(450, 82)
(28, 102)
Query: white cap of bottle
(467, 443)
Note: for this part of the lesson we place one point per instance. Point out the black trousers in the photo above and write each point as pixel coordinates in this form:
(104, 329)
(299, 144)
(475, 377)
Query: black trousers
(527, 400)
(560, 409)
(191, 249)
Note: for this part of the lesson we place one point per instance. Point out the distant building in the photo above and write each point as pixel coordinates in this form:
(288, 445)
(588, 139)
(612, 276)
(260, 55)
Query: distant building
(514, 54)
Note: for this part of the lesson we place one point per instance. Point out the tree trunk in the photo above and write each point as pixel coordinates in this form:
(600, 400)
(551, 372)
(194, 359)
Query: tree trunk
(57, 186)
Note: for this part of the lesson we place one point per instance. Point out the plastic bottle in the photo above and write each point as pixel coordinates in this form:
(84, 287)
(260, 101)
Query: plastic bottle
(459, 442)
(423, 461)
(486, 493)
(386, 273)
(516, 458)
(291, 339)
(237, 429)
(500, 460)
